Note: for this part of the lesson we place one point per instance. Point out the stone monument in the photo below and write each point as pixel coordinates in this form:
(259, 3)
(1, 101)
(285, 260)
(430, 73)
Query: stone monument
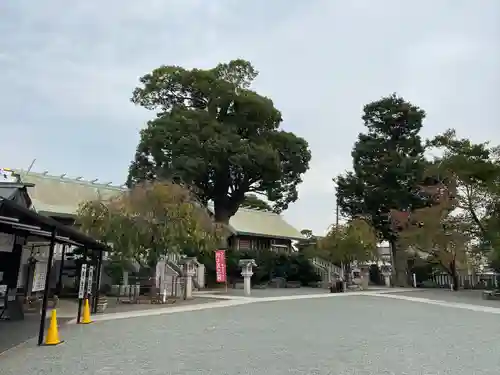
(189, 264)
(386, 271)
(247, 272)
(364, 272)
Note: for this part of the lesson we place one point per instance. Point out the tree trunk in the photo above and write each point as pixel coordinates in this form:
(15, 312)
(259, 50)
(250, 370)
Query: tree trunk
(400, 266)
(222, 216)
(347, 272)
(223, 211)
(153, 292)
(454, 276)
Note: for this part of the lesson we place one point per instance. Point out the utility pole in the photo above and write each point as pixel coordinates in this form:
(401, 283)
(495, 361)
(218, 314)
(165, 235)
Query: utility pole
(337, 210)
(337, 216)
(31, 166)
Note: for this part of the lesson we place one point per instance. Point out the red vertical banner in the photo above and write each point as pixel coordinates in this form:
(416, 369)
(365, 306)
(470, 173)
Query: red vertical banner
(220, 266)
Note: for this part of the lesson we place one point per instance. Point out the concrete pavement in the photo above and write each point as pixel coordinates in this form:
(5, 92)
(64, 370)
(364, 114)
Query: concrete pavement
(368, 333)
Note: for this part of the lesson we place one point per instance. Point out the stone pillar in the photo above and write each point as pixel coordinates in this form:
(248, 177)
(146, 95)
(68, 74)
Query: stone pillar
(247, 272)
(247, 282)
(189, 271)
(189, 285)
(200, 275)
(386, 272)
(364, 272)
(387, 279)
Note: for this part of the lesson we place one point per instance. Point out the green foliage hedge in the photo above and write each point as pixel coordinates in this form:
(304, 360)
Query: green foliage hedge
(292, 267)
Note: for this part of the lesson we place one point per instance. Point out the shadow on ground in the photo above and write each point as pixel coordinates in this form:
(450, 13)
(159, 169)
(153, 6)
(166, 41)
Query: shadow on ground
(13, 333)
(114, 307)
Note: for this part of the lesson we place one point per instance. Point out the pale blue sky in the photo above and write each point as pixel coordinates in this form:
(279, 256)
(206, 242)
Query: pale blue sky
(67, 69)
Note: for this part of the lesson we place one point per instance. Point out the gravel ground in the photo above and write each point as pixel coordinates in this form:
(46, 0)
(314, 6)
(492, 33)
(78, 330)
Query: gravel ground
(13, 333)
(278, 292)
(349, 335)
(113, 307)
(473, 297)
(273, 292)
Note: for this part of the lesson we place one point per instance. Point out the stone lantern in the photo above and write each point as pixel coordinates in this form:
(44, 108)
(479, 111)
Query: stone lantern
(247, 272)
(386, 271)
(189, 269)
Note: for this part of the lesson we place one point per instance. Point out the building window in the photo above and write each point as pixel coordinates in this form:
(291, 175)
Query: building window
(244, 244)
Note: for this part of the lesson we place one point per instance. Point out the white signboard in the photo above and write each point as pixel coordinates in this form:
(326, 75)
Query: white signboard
(83, 274)
(6, 175)
(6, 242)
(39, 277)
(89, 282)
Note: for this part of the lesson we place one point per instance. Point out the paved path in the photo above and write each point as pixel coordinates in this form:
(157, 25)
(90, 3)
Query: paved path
(346, 334)
(277, 292)
(473, 297)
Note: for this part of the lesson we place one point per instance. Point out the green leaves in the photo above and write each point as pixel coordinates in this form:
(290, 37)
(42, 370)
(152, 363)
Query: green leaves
(436, 234)
(470, 163)
(214, 133)
(388, 163)
(149, 221)
(355, 241)
(476, 172)
(254, 202)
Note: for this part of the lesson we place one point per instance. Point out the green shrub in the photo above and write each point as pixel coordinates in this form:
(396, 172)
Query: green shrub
(292, 267)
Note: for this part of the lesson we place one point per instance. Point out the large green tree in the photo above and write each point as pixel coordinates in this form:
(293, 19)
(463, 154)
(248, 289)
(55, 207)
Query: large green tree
(475, 168)
(433, 233)
(149, 221)
(355, 241)
(216, 134)
(389, 165)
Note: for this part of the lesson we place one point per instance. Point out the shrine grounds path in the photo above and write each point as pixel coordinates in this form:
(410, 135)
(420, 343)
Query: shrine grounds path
(367, 333)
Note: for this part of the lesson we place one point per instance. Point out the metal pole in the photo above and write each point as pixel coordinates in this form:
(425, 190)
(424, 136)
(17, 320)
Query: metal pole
(184, 278)
(47, 285)
(31, 166)
(61, 267)
(97, 284)
(29, 273)
(337, 217)
(80, 301)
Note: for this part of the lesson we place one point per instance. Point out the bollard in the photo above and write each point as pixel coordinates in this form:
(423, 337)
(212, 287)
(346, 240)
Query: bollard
(53, 331)
(86, 313)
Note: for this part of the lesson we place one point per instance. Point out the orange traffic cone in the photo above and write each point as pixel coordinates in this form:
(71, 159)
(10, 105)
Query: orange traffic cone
(86, 313)
(52, 337)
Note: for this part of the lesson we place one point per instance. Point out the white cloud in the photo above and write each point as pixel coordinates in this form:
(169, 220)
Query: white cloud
(68, 71)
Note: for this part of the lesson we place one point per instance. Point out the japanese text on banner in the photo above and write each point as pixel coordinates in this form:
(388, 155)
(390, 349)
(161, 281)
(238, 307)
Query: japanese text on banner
(220, 266)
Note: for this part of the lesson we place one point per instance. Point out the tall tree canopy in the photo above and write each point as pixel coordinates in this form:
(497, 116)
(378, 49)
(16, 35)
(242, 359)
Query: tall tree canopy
(254, 202)
(436, 235)
(307, 233)
(216, 134)
(475, 168)
(389, 165)
(355, 241)
(149, 221)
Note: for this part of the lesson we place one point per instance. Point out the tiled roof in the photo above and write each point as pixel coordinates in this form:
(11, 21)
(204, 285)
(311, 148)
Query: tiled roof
(252, 222)
(62, 195)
